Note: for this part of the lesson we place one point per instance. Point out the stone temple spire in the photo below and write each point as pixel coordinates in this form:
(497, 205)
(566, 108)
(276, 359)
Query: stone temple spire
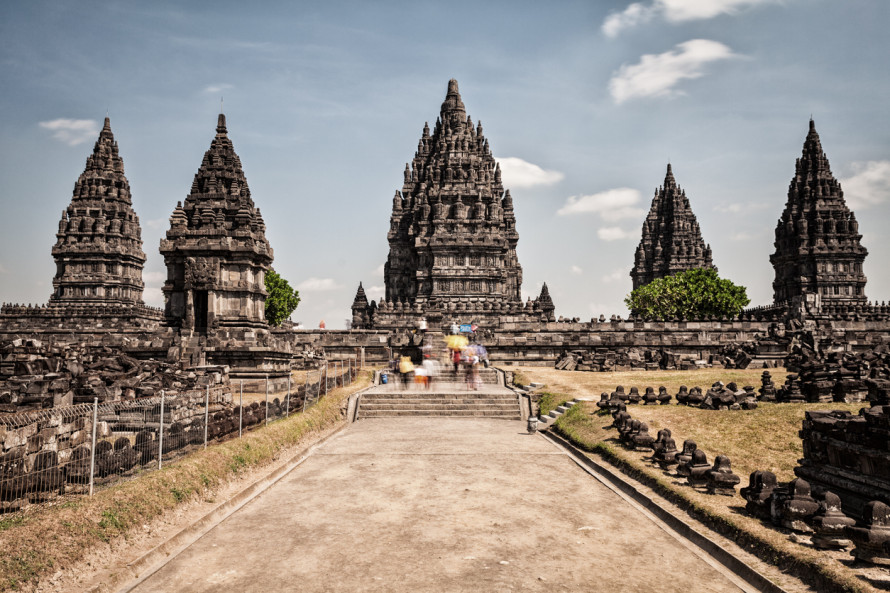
(216, 250)
(98, 250)
(452, 233)
(362, 311)
(818, 249)
(671, 240)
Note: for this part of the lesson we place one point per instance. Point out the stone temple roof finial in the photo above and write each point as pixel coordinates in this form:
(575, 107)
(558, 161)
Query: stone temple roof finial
(221, 124)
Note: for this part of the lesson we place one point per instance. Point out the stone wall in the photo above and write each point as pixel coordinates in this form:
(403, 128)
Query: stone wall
(850, 454)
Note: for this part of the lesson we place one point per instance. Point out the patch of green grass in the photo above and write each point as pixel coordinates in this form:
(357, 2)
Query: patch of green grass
(550, 401)
(520, 379)
(13, 521)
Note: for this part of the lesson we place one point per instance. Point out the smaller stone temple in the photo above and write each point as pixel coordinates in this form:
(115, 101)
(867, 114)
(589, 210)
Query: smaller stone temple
(818, 250)
(98, 248)
(671, 240)
(217, 256)
(216, 249)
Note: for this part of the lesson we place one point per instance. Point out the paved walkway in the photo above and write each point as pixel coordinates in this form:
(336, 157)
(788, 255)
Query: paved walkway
(424, 504)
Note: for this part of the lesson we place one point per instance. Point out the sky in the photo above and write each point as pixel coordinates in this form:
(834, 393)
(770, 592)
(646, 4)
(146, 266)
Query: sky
(584, 104)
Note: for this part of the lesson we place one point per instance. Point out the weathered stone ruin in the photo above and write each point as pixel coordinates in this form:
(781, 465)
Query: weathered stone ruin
(217, 256)
(720, 478)
(34, 375)
(672, 240)
(850, 455)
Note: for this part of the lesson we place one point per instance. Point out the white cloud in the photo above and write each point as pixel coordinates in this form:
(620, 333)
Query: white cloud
(869, 185)
(375, 293)
(380, 269)
(519, 173)
(673, 11)
(317, 285)
(678, 11)
(656, 75)
(613, 233)
(576, 270)
(153, 296)
(72, 131)
(217, 88)
(619, 274)
(738, 207)
(611, 205)
(635, 14)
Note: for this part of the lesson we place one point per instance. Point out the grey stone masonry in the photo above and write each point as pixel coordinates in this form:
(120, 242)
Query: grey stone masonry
(98, 250)
(671, 240)
(216, 250)
(452, 233)
(818, 248)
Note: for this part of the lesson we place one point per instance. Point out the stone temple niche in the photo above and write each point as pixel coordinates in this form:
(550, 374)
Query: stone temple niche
(216, 250)
(818, 250)
(98, 251)
(452, 235)
(672, 240)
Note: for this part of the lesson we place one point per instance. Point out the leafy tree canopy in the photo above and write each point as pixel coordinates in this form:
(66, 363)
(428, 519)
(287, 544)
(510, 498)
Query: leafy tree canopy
(281, 300)
(688, 295)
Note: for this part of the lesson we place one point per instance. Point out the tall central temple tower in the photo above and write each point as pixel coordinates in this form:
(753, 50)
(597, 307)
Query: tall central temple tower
(452, 234)
(818, 249)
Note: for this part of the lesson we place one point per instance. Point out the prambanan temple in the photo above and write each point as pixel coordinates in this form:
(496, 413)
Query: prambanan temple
(452, 259)
(671, 240)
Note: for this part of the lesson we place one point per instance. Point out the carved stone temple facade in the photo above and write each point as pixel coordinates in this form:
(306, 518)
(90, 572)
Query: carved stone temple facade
(671, 240)
(216, 250)
(818, 250)
(452, 235)
(98, 255)
(98, 250)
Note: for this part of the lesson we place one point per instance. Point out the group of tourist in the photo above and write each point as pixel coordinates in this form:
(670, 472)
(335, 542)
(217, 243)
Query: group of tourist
(466, 358)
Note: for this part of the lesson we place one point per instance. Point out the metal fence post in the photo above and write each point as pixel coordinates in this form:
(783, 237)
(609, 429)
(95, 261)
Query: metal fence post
(206, 413)
(93, 452)
(161, 433)
(325, 377)
(241, 409)
(267, 399)
(306, 391)
(287, 405)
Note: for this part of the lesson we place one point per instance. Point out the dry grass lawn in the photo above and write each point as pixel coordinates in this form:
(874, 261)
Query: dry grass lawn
(765, 438)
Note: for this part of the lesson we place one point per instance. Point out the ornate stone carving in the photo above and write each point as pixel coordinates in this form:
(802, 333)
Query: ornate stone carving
(671, 240)
(818, 250)
(98, 251)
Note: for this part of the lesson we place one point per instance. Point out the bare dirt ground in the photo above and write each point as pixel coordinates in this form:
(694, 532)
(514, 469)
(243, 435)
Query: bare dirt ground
(422, 504)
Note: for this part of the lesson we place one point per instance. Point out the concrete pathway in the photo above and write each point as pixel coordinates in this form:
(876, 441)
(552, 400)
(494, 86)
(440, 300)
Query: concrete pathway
(430, 504)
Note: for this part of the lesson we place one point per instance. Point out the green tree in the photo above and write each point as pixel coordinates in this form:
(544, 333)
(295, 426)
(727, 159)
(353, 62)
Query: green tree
(688, 295)
(281, 299)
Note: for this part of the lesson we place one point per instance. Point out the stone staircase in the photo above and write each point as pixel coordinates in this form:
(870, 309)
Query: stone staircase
(449, 397)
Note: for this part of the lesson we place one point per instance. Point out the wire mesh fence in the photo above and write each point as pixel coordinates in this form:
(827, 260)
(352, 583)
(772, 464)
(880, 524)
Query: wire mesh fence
(74, 449)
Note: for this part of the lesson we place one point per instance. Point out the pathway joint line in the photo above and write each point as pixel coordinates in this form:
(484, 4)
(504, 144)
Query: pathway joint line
(165, 552)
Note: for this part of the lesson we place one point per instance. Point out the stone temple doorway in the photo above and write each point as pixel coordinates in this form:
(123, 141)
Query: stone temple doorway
(201, 310)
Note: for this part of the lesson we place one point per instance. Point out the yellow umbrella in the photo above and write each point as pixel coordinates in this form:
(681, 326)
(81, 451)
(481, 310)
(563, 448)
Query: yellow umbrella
(456, 342)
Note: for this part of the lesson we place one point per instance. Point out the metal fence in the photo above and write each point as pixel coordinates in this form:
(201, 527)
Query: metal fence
(72, 449)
